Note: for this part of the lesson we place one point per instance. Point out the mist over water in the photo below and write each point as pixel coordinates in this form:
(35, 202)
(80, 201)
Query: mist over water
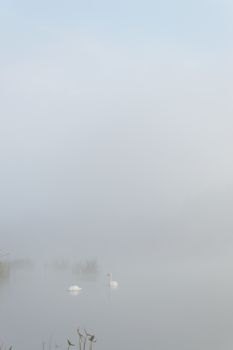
(175, 282)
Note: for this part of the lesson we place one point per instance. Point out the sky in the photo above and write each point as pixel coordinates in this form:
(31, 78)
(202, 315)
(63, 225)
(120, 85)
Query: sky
(203, 24)
(114, 116)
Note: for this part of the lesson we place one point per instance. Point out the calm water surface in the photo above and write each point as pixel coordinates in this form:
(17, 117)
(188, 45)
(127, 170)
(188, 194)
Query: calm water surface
(161, 303)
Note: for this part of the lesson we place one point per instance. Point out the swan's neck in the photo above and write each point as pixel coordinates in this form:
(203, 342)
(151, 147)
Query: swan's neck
(110, 277)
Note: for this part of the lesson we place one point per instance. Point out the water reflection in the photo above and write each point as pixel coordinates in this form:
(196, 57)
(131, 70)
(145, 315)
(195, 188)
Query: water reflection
(8, 266)
(86, 270)
(4, 272)
(83, 270)
(74, 292)
(23, 264)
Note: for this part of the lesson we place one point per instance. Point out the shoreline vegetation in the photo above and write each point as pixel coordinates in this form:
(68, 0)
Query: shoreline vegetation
(84, 338)
(84, 341)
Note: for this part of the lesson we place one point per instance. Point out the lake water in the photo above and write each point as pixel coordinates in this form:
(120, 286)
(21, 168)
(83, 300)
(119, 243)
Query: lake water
(164, 301)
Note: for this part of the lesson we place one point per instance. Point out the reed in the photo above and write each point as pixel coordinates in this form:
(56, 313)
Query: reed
(84, 338)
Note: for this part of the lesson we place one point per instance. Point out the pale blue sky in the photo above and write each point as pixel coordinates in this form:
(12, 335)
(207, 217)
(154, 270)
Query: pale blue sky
(119, 109)
(205, 25)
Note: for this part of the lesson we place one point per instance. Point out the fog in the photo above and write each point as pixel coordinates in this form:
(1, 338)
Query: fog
(116, 155)
(98, 140)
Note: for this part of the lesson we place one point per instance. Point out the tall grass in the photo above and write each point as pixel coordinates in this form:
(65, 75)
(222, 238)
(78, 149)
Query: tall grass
(84, 339)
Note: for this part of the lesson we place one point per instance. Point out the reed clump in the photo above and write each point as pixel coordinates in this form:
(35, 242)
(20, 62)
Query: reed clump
(84, 339)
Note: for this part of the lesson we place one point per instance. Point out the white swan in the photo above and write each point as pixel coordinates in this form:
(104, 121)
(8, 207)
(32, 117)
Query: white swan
(74, 288)
(112, 284)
